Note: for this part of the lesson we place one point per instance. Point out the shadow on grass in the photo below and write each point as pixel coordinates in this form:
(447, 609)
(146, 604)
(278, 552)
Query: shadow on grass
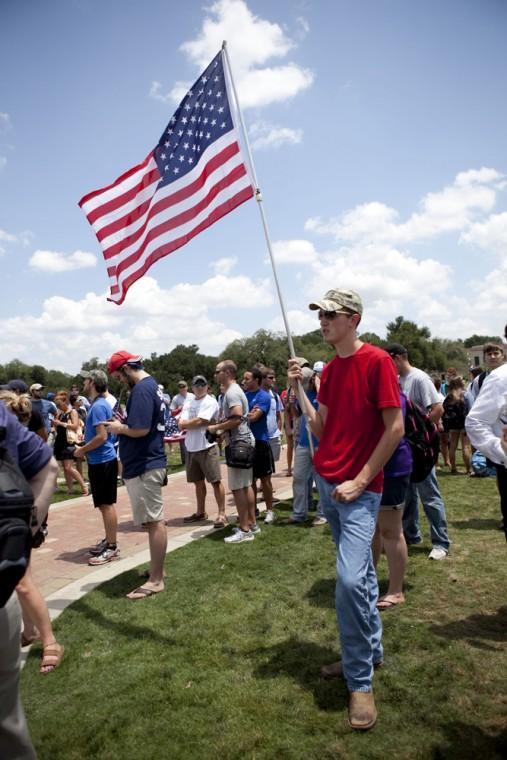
(302, 661)
(465, 741)
(121, 628)
(476, 628)
(322, 593)
(475, 523)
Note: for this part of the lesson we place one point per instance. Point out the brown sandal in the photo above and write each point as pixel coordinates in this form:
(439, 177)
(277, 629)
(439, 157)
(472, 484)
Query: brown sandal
(51, 657)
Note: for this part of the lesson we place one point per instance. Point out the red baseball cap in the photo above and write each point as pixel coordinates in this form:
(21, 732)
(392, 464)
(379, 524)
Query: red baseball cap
(119, 358)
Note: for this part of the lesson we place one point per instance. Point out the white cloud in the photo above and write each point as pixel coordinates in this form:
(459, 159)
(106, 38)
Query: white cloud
(263, 135)
(8, 237)
(303, 27)
(67, 331)
(175, 95)
(3, 161)
(261, 87)
(251, 42)
(294, 252)
(21, 238)
(5, 122)
(452, 209)
(224, 265)
(490, 235)
(300, 322)
(53, 261)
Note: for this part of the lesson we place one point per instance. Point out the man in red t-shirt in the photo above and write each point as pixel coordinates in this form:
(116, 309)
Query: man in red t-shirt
(359, 424)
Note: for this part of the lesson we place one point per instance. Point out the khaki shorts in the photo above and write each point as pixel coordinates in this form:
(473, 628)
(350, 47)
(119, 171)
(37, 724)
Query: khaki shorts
(203, 465)
(145, 494)
(239, 479)
(276, 447)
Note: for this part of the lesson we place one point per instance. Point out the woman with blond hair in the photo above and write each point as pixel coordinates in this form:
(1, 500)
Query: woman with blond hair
(453, 418)
(67, 430)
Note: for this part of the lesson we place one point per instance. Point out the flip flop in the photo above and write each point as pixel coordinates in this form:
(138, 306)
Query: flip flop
(220, 522)
(142, 593)
(388, 604)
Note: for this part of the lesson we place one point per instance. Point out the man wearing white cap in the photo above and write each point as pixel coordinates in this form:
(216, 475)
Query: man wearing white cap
(203, 457)
(46, 409)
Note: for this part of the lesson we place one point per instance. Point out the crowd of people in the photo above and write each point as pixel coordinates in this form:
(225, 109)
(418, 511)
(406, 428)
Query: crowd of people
(345, 429)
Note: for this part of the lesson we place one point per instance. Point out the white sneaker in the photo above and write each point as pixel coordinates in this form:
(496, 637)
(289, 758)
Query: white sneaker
(319, 521)
(437, 553)
(255, 529)
(239, 536)
(270, 517)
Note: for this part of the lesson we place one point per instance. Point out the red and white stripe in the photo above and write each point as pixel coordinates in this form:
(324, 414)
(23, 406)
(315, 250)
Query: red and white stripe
(136, 225)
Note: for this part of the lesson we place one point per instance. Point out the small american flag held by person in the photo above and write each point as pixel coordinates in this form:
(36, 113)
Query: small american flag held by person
(195, 175)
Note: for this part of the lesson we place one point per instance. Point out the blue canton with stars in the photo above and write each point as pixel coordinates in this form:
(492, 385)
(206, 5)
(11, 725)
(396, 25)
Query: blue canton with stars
(201, 118)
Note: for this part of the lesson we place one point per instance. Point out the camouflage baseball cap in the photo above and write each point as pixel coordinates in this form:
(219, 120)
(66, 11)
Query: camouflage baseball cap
(338, 299)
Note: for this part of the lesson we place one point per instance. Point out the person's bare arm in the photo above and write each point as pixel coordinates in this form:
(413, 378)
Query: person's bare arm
(98, 439)
(233, 421)
(197, 422)
(393, 433)
(316, 417)
(120, 428)
(435, 412)
(43, 486)
(255, 414)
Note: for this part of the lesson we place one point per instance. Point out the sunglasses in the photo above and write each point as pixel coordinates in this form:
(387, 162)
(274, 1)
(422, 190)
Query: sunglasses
(329, 315)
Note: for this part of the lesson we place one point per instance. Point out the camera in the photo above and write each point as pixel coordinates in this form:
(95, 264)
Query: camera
(211, 437)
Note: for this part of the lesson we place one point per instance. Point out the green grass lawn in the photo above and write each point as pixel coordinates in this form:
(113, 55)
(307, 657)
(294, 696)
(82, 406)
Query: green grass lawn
(225, 663)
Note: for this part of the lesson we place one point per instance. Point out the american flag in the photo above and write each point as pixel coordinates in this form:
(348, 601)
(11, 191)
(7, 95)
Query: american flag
(194, 176)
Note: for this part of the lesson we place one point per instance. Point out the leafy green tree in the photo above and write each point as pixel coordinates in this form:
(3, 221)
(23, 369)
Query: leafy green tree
(421, 351)
(373, 338)
(182, 363)
(479, 340)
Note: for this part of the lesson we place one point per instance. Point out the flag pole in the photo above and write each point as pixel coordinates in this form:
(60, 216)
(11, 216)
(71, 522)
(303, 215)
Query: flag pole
(259, 199)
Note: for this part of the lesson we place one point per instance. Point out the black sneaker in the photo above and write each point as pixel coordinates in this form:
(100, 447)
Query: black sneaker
(98, 548)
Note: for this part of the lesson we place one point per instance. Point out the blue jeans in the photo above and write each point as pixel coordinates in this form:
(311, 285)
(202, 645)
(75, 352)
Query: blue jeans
(302, 484)
(429, 493)
(353, 526)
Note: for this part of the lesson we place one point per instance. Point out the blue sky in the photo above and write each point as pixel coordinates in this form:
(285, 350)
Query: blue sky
(378, 134)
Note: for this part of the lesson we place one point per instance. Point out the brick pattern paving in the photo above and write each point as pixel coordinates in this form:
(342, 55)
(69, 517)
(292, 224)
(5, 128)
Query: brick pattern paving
(74, 526)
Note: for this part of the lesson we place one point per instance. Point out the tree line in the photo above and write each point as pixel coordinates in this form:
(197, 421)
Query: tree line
(269, 348)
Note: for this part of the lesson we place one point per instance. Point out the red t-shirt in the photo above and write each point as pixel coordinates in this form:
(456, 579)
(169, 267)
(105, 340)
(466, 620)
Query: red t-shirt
(355, 390)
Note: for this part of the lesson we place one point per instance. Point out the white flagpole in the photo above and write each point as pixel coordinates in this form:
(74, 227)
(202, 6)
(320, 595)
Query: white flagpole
(259, 199)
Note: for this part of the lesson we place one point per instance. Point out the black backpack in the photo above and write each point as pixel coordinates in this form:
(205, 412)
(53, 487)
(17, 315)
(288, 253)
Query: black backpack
(16, 514)
(424, 441)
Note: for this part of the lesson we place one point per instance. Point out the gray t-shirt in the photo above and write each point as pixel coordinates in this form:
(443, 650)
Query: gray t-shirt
(234, 396)
(419, 388)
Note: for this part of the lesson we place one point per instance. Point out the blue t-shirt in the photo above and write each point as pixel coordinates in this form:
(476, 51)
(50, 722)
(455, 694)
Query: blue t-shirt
(100, 411)
(46, 409)
(303, 432)
(26, 448)
(145, 409)
(261, 400)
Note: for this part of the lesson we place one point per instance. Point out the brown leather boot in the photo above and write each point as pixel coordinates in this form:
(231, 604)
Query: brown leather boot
(362, 710)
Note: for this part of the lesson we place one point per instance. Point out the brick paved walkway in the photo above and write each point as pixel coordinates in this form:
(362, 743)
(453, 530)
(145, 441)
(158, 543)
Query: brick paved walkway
(74, 526)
